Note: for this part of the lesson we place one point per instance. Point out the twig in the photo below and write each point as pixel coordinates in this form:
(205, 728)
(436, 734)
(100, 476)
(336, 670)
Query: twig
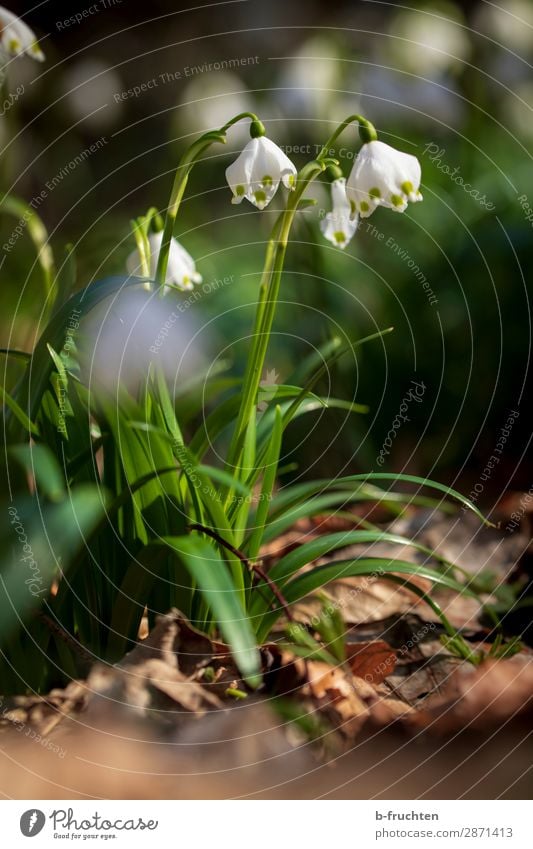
(252, 567)
(67, 638)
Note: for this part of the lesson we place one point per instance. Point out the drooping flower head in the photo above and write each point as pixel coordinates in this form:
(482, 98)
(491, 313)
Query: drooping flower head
(383, 176)
(181, 269)
(339, 225)
(259, 169)
(16, 37)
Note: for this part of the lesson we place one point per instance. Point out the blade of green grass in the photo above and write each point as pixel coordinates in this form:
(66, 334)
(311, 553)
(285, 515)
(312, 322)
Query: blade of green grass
(269, 479)
(307, 583)
(213, 579)
(39, 462)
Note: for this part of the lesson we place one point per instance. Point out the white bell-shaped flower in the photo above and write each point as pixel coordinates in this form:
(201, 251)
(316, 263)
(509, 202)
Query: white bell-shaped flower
(16, 37)
(181, 269)
(257, 172)
(338, 225)
(383, 176)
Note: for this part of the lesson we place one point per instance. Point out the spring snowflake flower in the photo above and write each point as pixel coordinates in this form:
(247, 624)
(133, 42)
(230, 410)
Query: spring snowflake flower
(181, 269)
(383, 176)
(339, 225)
(16, 37)
(257, 172)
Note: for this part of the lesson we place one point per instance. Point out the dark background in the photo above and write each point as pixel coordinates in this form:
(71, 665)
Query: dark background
(456, 76)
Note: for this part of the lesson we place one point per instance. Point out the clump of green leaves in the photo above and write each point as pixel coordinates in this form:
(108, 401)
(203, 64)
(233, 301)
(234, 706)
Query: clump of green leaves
(127, 513)
(499, 650)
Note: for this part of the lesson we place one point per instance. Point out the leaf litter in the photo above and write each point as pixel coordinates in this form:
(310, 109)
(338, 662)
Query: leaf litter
(176, 705)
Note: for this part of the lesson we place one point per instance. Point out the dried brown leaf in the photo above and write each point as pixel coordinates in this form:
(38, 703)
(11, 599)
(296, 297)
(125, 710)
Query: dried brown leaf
(374, 661)
(483, 697)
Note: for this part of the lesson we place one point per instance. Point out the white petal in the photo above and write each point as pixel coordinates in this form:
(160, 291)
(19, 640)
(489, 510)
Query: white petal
(383, 175)
(238, 173)
(181, 268)
(339, 228)
(35, 52)
(257, 172)
(11, 41)
(361, 202)
(339, 225)
(280, 162)
(264, 175)
(339, 200)
(17, 37)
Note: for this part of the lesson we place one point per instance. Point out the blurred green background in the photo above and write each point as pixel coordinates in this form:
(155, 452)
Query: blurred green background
(448, 82)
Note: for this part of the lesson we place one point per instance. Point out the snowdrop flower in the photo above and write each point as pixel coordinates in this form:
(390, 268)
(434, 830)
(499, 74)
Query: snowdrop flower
(181, 269)
(338, 226)
(257, 172)
(16, 37)
(383, 176)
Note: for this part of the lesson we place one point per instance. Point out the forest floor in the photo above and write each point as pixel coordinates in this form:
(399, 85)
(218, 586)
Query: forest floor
(403, 717)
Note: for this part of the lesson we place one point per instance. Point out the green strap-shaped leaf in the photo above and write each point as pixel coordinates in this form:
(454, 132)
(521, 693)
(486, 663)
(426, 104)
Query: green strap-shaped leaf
(14, 352)
(214, 581)
(247, 462)
(39, 461)
(269, 479)
(316, 359)
(36, 379)
(291, 496)
(306, 553)
(431, 484)
(311, 507)
(305, 584)
(35, 540)
(18, 412)
(130, 601)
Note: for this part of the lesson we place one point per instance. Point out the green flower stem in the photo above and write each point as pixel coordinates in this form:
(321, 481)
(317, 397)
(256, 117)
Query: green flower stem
(183, 170)
(39, 236)
(143, 249)
(266, 308)
(180, 183)
(367, 133)
(251, 115)
(263, 286)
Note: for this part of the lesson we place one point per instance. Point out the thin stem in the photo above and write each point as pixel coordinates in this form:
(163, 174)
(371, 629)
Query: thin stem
(367, 132)
(180, 183)
(56, 628)
(251, 115)
(266, 308)
(39, 236)
(143, 246)
(196, 526)
(271, 281)
(178, 189)
(275, 590)
(263, 287)
(252, 567)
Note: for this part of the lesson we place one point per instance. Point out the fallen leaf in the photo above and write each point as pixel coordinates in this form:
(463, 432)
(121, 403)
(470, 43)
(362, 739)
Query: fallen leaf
(482, 697)
(150, 687)
(324, 678)
(365, 599)
(174, 640)
(373, 661)
(341, 698)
